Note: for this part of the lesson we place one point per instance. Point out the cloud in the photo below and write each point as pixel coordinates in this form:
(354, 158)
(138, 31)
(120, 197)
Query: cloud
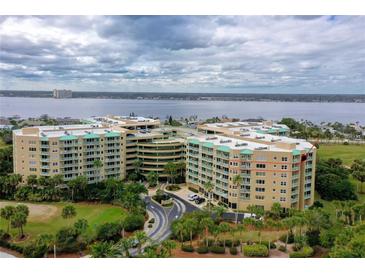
(317, 54)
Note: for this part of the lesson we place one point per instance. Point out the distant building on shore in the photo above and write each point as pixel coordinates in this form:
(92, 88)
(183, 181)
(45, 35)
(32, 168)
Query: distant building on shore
(62, 93)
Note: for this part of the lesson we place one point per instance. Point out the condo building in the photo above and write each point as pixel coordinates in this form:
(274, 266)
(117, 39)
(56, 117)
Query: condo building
(62, 93)
(103, 147)
(271, 168)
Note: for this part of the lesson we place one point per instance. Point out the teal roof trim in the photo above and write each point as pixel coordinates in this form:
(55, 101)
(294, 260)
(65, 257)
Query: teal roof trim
(194, 141)
(44, 138)
(224, 148)
(68, 138)
(112, 134)
(283, 129)
(208, 144)
(246, 151)
(260, 131)
(91, 136)
(295, 152)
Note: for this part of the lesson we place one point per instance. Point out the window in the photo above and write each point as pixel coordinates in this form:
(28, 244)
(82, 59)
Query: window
(260, 182)
(284, 175)
(284, 159)
(32, 169)
(54, 143)
(283, 183)
(32, 149)
(260, 173)
(260, 166)
(32, 142)
(259, 197)
(55, 164)
(282, 199)
(260, 189)
(282, 191)
(284, 167)
(32, 163)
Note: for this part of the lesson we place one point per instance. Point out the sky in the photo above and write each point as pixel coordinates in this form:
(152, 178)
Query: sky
(232, 54)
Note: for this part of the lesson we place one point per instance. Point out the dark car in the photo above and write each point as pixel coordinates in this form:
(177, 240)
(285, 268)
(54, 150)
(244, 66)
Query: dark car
(199, 200)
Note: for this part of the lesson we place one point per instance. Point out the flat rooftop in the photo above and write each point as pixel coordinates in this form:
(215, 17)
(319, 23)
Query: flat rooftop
(266, 126)
(239, 144)
(123, 120)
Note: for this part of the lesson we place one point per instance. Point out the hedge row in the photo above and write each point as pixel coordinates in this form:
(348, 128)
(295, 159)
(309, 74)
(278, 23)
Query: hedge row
(256, 250)
(193, 189)
(305, 252)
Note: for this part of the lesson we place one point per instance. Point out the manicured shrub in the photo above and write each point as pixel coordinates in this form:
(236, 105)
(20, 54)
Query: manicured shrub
(202, 250)
(193, 189)
(152, 221)
(4, 236)
(256, 250)
(217, 249)
(305, 252)
(150, 225)
(233, 250)
(134, 222)
(229, 243)
(282, 248)
(187, 248)
(35, 250)
(173, 187)
(266, 243)
(108, 232)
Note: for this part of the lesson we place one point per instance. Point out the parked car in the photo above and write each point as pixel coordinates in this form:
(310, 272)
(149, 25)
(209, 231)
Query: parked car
(199, 200)
(193, 197)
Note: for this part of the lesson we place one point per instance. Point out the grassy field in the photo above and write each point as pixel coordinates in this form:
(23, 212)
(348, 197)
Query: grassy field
(347, 153)
(46, 218)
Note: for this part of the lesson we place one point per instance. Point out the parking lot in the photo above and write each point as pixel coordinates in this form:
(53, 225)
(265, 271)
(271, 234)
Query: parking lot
(184, 193)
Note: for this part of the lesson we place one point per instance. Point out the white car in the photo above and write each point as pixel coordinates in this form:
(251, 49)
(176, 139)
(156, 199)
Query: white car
(193, 197)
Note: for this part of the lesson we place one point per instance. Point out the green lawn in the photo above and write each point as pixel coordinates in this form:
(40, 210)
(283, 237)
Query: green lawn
(51, 222)
(347, 153)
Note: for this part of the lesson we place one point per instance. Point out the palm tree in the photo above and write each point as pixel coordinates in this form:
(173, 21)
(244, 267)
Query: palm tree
(208, 186)
(98, 164)
(289, 223)
(190, 225)
(78, 183)
(7, 213)
(102, 250)
(171, 169)
(206, 223)
(81, 225)
(276, 210)
(237, 179)
(69, 212)
(125, 244)
(180, 230)
(218, 212)
(141, 238)
(224, 228)
(152, 178)
(358, 172)
(19, 220)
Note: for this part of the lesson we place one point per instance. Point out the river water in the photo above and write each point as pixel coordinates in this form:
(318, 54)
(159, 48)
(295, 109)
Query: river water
(82, 108)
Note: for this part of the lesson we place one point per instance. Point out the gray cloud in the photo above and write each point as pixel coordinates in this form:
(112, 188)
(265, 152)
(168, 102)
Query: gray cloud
(324, 54)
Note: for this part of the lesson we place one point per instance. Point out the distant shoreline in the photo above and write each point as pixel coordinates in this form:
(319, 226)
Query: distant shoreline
(247, 97)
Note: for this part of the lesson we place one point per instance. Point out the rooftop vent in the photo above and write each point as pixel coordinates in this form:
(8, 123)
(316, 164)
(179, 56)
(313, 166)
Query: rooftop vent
(241, 144)
(261, 148)
(260, 137)
(225, 141)
(211, 138)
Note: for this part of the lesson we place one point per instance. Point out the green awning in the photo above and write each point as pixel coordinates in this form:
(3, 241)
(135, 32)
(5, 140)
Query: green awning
(283, 130)
(224, 148)
(68, 138)
(91, 136)
(112, 134)
(260, 131)
(194, 141)
(246, 151)
(44, 138)
(296, 152)
(208, 144)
